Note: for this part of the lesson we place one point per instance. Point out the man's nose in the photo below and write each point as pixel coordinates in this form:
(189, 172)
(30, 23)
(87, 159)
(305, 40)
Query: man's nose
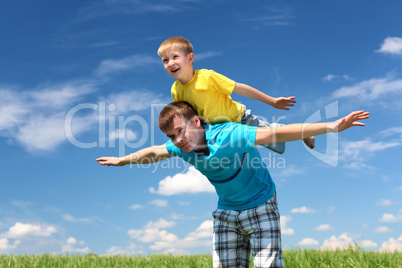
(179, 139)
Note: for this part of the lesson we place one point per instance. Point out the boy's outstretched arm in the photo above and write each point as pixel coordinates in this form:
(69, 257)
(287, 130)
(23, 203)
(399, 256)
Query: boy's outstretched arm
(144, 156)
(250, 92)
(294, 132)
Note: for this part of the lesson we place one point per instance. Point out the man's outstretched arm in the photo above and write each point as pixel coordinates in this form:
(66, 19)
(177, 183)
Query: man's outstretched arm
(294, 132)
(144, 156)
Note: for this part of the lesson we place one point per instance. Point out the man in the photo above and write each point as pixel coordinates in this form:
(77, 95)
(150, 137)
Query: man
(247, 217)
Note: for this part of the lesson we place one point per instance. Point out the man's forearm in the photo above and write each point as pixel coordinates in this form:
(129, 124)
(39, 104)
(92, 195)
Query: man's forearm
(145, 156)
(292, 132)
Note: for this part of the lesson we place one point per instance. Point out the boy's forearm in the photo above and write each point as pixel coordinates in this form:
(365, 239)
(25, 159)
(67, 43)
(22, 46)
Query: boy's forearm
(252, 93)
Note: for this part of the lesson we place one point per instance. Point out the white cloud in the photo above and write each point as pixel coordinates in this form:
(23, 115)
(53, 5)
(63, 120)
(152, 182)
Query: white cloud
(135, 100)
(132, 249)
(122, 134)
(71, 218)
(152, 235)
(36, 118)
(383, 229)
(371, 90)
(341, 242)
(205, 230)
(4, 244)
(323, 227)
(331, 209)
(161, 239)
(161, 223)
(274, 17)
(391, 45)
(200, 237)
(116, 66)
(304, 210)
(356, 153)
(69, 246)
(151, 232)
(384, 203)
(391, 218)
(190, 182)
(291, 170)
(136, 207)
(284, 229)
(20, 230)
(308, 242)
(208, 54)
(43, 118)
(159, 203)
(331, 77)
(368, 244)
(392, 245)
(62, 94)
(125, 7)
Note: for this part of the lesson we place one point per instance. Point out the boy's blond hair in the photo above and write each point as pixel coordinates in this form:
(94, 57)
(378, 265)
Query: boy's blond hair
(177, 41)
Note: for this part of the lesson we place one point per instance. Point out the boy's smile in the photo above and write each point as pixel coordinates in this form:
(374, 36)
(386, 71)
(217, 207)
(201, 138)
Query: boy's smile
(178, 64)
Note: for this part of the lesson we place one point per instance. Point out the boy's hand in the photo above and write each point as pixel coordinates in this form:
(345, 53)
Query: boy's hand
(109, 161)
(349, 121)
(283, 103)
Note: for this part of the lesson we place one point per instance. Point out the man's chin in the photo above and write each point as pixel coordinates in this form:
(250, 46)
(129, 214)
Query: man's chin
(187, 149)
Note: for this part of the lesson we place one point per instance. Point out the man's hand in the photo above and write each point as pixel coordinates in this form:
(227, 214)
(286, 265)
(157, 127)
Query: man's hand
(109, 161)
(283, 103)
(349, 121)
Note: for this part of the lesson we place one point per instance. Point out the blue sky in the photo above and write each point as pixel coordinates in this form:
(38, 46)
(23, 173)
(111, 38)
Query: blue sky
(81, 79)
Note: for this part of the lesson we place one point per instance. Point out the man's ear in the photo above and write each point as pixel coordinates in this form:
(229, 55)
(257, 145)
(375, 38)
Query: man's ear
(197, 120)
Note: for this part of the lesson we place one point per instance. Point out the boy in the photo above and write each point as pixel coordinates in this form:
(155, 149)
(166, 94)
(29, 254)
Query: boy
(247, 217)
(209, 92)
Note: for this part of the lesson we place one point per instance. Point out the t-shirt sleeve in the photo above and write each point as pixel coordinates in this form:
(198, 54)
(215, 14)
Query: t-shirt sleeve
(242, 137)
(172, 150)
(173, 91)
(221, 83)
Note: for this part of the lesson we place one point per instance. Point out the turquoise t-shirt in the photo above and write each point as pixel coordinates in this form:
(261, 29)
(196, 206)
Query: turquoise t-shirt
(234, 166)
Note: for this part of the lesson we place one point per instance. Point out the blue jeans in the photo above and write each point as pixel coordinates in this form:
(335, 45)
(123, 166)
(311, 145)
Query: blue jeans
(252, 120)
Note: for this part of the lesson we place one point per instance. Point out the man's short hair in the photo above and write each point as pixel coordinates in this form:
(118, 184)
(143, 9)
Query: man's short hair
(177, 41)
(173, 109)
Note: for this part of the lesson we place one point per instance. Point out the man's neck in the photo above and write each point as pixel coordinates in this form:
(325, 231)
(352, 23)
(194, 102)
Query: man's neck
(202, 151)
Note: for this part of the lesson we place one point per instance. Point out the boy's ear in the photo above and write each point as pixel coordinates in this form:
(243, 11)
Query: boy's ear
(191, 58)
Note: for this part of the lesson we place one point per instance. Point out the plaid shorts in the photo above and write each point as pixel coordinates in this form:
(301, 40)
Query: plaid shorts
(236, 233)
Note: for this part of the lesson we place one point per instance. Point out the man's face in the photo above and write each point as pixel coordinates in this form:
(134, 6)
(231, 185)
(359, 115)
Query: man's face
(187, 135)
(178, 64)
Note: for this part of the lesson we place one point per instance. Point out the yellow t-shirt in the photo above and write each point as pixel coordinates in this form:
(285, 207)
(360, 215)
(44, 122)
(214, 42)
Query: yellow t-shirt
(209, 93)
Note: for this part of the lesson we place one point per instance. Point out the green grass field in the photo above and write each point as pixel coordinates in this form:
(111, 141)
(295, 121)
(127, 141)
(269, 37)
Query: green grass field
(292, 258)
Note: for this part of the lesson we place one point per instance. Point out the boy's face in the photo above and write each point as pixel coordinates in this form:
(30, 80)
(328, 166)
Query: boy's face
(187, 135)
(178, 64)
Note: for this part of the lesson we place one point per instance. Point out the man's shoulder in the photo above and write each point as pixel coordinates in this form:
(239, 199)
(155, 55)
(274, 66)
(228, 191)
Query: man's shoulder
(227, 127)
